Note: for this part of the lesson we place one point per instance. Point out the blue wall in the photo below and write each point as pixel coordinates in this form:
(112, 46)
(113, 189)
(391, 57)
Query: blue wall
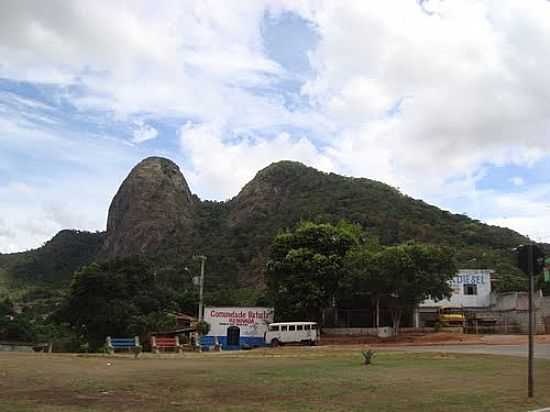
(245, 341)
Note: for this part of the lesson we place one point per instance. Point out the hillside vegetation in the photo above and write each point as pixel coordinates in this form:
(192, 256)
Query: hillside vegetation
(236, 235)
(54, 263)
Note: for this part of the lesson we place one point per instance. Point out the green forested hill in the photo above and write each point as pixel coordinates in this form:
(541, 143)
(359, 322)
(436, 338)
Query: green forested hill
(236, 235)
(285, 193)
(52, 264)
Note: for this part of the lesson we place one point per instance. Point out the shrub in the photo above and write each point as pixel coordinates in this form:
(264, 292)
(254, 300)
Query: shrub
(203, 328)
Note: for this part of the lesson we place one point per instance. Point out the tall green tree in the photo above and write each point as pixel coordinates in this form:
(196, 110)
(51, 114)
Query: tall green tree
(415, 272)
(362, 281)
(306, 267)
(14, 326)
(117, 298)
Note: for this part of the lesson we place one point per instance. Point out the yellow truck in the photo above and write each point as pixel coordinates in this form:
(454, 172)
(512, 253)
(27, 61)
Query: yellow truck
(456, 316)
(451, 316)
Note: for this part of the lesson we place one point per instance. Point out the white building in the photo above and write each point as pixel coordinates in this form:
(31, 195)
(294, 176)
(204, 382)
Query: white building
(471, 289)
(235, 327)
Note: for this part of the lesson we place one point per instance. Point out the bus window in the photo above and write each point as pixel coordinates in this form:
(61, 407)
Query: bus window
(314, 326)
(307, 327)
(283, 328)
(274, 328)
(291, 328)
(299, 327)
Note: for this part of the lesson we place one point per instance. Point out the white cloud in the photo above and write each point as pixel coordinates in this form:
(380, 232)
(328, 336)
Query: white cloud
(453, 99)
(423, 99)
(221, 168)
(144, 132)
(526, 211)
(517, 181)
(421, 103)
(35, 219)
(465, 97)
(181, 58)
(47, 206)
(6, 232)
(51, 180)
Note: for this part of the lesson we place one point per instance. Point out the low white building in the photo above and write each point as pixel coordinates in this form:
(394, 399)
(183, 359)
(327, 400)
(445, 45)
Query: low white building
(235, 327)
(471, 289)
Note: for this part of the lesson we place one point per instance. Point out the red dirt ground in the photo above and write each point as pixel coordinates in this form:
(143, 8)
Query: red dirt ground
(440, 338)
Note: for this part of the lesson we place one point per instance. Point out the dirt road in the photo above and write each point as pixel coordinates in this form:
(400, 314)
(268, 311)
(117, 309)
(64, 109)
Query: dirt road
(542, 351)
(441, 338)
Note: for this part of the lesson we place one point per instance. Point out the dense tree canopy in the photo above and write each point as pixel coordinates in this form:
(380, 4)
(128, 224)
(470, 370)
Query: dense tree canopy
(321, 265)
(119, 298)
(306, 267)
(13, 326)
(54, 263)
(412, 273)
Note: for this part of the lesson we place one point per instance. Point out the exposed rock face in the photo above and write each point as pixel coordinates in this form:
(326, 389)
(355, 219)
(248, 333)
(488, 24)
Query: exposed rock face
(271, 196)
(152, 212)
(267, 193)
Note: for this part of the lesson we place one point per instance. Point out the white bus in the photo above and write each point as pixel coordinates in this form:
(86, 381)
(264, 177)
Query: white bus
(292, 332)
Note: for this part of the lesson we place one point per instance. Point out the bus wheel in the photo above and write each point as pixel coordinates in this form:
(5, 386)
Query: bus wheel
(275, 343)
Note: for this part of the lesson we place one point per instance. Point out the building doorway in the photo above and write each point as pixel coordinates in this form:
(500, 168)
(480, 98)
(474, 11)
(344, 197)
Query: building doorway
(233, 336)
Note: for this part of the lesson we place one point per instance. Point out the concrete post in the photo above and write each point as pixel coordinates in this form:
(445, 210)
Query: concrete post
(178, 346)
(154, 344)
(109, 345)
(416, 317)
(138, 348)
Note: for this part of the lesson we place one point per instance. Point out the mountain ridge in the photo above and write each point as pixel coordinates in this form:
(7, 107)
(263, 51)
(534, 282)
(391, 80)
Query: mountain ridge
(154, 213)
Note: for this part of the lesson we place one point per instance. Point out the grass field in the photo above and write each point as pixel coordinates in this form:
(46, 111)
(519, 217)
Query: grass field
(293, 379)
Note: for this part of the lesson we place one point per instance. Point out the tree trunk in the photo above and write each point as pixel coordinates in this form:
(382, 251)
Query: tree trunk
(377, 312)
(396, 319)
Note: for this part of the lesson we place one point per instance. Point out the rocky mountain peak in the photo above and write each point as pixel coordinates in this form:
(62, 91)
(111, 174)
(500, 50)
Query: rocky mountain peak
(152, 211)
(268, 191)
(273, 179)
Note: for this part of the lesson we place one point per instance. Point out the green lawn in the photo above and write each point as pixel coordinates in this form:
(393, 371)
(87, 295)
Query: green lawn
(293, 379)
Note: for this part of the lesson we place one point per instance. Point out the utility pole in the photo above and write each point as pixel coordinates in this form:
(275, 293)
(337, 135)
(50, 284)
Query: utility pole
(202, 258)
(531, 262)
(531, 266)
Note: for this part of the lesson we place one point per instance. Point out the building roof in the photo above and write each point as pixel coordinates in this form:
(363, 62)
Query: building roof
(185, 316)
(173, 332)
(293, 323)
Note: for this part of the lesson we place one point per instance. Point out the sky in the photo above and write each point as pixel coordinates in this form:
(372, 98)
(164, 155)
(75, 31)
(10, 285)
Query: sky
(446, 100)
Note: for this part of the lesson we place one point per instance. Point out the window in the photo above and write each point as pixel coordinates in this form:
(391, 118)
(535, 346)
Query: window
(274, 328)
(307, 327)
(470, 289)
(299, 327)
(314, 326)
(283, 328)
(291, 328)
